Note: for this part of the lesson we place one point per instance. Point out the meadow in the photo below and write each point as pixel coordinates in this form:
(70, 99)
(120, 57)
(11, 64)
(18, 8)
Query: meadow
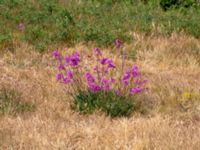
(35, 108)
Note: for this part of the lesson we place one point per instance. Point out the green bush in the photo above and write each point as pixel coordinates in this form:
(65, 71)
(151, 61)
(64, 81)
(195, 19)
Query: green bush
(115, 106)
(166, 4)
(6, 41)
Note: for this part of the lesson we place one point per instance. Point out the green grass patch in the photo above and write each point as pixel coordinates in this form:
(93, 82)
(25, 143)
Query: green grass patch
(115, 106)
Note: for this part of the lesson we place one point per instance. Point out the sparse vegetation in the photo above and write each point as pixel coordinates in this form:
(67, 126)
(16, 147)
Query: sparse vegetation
(11, 103)
(164, 44)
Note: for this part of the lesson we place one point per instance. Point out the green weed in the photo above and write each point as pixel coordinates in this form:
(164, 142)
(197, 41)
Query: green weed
(115, 106)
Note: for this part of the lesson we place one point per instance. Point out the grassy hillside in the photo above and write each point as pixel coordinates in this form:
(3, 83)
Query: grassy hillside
(35, 109)
(46, 22)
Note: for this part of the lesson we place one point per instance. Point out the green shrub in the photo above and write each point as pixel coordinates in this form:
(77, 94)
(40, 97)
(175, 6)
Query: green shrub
(10, 102)
(166, 4)
(115, 106)
(6, 41)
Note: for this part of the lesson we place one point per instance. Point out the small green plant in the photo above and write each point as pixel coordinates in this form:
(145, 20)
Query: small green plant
(6, 41)
(114, 105)
(167, 4)
(10, 102)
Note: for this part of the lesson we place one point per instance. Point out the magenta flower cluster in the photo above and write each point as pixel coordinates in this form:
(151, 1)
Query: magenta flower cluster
(103, 74)
(65, 74)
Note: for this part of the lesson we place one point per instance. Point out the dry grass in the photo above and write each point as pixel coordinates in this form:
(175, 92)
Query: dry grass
(173, 121)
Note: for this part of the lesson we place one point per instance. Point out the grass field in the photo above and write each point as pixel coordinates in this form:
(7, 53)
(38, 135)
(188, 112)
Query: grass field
(99, 21)
(35, 109)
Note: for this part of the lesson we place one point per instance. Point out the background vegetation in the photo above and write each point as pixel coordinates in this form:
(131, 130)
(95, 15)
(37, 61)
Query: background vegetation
(47, 22)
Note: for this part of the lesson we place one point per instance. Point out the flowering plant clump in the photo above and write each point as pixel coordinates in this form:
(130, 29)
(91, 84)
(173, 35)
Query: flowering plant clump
(98, 82)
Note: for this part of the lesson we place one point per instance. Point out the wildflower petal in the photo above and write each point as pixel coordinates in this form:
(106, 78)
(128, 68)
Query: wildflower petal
(59, 76)
(97, 51)
(118, 43)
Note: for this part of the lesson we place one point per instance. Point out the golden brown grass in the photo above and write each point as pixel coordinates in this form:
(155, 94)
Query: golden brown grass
(173, 122)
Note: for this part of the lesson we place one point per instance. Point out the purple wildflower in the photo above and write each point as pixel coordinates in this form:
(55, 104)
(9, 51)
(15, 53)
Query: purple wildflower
(126, 77)
(67, 80)
(111, 65)
(95, 68)
(91, 83)
(106, 69)
(59, 76)
(118, 43)
(75, 59)
(94, 87)
(61, 67)
(97, 81)
(140, 82)
(136, 90)
(139, 89)
(135, 71)
(89, 78)
(106, 87)
(70, 74)
(105, 84)
(104, 61)
(112, 80)
(56, 54)
(97, 51)
(21, 26)
(67, 59)
(117, 92)
(125, 82)
(108, 62)
(69, 77)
